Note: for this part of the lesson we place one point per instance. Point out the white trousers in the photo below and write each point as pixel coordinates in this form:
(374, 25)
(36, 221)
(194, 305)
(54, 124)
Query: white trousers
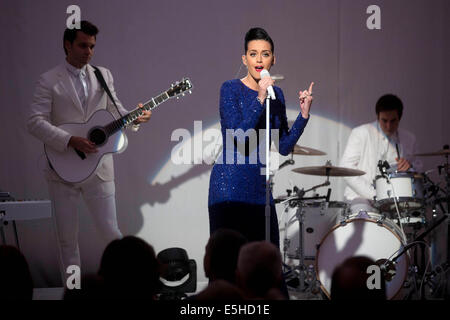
(99, 197)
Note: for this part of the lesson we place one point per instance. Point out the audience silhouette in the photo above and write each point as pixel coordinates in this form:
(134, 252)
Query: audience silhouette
(15, 277)
(349, 281)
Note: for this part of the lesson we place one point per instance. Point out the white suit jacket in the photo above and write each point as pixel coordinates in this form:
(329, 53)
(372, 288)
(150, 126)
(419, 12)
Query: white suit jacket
(56, 102)
(365, 147)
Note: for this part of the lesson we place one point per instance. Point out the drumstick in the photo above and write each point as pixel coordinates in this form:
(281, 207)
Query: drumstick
(398, 153)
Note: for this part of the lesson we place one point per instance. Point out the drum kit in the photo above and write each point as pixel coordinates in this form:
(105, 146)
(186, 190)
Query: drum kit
(409, 206)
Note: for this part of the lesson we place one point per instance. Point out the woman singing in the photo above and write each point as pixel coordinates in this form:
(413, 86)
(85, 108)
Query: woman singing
(237, 193)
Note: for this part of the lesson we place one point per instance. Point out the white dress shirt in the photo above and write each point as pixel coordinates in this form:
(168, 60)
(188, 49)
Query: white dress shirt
(80, 81)
(367, 145)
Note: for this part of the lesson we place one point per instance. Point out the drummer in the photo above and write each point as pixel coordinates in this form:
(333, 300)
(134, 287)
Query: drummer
(379, 140)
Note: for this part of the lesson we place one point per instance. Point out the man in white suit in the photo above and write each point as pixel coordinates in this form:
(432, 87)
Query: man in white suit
(71, 93)
(371, 142)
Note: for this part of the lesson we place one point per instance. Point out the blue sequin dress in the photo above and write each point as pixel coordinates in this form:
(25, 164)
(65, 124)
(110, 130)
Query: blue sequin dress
(236, 178)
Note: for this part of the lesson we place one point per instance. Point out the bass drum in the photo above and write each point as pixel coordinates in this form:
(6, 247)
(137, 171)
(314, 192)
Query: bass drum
(362, 237)
(318, 218)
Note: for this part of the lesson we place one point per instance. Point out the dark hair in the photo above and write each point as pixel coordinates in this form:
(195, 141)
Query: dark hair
(259, 268)
(389, 102)
(85, 27)
(349, 281)
(130, 269)
(223, 249)
(257, 34)
(92, 288)
(15, 277)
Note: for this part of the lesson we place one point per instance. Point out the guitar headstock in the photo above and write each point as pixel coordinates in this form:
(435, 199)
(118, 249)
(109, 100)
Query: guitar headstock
(180, 88)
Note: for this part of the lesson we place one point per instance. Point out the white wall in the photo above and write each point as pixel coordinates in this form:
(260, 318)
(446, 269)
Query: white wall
(148, 45)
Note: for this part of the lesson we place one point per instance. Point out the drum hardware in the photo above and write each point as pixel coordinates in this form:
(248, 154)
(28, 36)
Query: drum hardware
(299, 194)
(287, 163)
(300, 274)
(399, 189)
(300, 271)
(414, 270)
(305, 151)
(433, 278)
(380, 221)
(363, 237)
(298, 201)
(328, 170)
(445, 151)
(439, 198)
(444, 168)
(388, 268)
(301, 151)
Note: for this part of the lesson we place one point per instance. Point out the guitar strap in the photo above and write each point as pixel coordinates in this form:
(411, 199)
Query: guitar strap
(102, 81)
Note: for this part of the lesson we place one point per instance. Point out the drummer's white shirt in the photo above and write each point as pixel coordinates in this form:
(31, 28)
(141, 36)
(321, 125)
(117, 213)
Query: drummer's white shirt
(367, 144)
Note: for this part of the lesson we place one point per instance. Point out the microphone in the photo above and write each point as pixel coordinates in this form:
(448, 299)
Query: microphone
(271, 93)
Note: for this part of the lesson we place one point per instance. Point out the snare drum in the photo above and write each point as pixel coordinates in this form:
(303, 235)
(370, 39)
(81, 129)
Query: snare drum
(372, 237)
(406, 186)
(318, 218)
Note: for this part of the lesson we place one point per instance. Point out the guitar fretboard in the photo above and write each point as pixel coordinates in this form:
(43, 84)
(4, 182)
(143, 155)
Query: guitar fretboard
(117, 125)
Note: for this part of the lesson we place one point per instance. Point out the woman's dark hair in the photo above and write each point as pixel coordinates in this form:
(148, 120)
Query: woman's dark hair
(223, 248)
(129, 268)
(389, 102)
(85, 27)
(258, 34)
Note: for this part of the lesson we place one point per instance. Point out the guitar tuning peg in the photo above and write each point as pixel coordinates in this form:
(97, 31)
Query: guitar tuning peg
(190, 91)
(183, 94)
(178, 97)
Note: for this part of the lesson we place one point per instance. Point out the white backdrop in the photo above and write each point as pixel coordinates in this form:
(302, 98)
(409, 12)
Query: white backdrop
(149, 44)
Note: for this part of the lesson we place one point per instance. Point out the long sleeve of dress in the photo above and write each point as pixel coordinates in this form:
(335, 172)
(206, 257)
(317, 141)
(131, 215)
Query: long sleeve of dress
(235, 116)
(288, 138)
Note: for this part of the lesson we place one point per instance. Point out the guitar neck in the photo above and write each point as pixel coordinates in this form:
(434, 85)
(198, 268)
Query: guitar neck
(133, 115)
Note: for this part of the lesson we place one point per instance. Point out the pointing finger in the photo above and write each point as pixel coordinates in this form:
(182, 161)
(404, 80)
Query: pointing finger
(310, 87)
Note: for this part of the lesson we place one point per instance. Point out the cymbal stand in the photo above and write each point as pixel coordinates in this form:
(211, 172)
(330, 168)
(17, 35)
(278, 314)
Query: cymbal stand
(447, 178)
(306, 277)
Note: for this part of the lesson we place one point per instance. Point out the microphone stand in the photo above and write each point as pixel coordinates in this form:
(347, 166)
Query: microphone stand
(268, 175)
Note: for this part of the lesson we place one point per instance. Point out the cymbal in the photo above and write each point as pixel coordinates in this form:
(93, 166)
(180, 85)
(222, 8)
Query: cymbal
(305, 151)
(443, 152)
(329, 170)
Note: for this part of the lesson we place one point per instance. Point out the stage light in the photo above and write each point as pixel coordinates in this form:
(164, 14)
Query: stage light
(178, 274)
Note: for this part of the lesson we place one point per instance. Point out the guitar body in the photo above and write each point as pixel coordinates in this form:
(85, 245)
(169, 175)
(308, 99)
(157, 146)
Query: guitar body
(107, 134)
(73, 166)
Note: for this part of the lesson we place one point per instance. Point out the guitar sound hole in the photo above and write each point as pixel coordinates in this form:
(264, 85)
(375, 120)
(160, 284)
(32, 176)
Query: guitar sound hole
(97, 136)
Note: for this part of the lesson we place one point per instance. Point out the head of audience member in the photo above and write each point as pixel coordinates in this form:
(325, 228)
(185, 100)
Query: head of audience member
(79, 44)
(92, 288)
(130, 269)
(389, 109)
(15, 277)
(259, 270)
(221, 255)
(349, 281)
(220, 290)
